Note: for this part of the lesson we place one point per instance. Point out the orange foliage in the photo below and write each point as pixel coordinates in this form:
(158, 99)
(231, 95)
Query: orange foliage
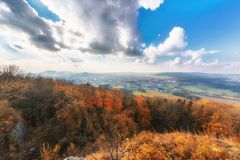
(126, 124)
(181, 146)
(143, 111)
(49, 153)
(108, 100)
(61, 113)
(99, 98)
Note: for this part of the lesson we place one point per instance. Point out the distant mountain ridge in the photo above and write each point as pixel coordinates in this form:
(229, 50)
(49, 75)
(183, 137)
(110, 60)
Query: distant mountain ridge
(185, 84)
(74, 75)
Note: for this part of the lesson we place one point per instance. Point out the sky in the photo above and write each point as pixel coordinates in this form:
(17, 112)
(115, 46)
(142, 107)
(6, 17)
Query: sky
(121, 35)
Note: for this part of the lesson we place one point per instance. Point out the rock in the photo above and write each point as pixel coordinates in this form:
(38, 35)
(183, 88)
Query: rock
(74, 158)
(18, 133)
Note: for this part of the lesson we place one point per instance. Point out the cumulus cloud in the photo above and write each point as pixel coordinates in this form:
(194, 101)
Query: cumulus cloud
(175, 62)
(171, 46)
(150, 4)
(175, 46)
(107, 26)
(196, 55)
(90, 32)
(20, 16)
(200, 62)
(85, 31)
(92, 26)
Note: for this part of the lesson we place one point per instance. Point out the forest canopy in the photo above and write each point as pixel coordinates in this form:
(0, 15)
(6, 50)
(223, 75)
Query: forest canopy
(58, 119)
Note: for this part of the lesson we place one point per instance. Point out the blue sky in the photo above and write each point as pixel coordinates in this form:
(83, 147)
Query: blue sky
(213, 24)
(42, 10)
(121, 35)
(208, 23)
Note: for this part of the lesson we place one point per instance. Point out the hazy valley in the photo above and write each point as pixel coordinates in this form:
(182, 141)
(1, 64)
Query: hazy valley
(220, 87)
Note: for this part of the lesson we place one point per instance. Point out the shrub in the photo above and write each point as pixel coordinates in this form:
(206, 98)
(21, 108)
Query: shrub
(49, 153)
(8, 72)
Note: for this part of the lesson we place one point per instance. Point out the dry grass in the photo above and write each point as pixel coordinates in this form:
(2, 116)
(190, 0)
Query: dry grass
(219, 106)
(180, 146)
(237, 106)
(152, 93)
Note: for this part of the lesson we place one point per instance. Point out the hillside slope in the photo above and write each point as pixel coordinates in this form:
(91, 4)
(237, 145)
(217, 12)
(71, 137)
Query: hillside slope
(176, 145)
(48, 119)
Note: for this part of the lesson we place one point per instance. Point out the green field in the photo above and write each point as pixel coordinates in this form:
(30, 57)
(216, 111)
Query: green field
(152, 93)
(207, 91)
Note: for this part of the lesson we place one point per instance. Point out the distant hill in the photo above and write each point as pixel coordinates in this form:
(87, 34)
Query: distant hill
(189, 85)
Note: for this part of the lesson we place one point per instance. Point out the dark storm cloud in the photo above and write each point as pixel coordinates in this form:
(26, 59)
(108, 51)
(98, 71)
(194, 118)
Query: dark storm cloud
(101, 48)
(23, 18)
(133, 51)
(76, 60)
(107, 16)
(17, 46)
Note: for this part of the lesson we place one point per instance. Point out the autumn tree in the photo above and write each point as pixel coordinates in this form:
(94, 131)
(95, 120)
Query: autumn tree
(108, 100)
(38, 104)
(221, 124)
(117, 101)
(10, 143)
(99, 97)
(79, 124)
(142, 112)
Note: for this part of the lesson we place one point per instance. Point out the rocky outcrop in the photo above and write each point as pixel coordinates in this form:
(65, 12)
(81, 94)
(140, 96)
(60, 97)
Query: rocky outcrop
(18, 133)
(74, 158)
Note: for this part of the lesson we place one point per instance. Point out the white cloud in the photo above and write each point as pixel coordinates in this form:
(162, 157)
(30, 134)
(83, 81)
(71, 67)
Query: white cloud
(93, 36)
(196, 55)
(88, 30)
(93, 26)
(138, 60)
(4, 8)
(232, 65)
(176, 61)
(171, 46)
(200, 62)
(22, 18)
(150, 4)
(175, 46)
